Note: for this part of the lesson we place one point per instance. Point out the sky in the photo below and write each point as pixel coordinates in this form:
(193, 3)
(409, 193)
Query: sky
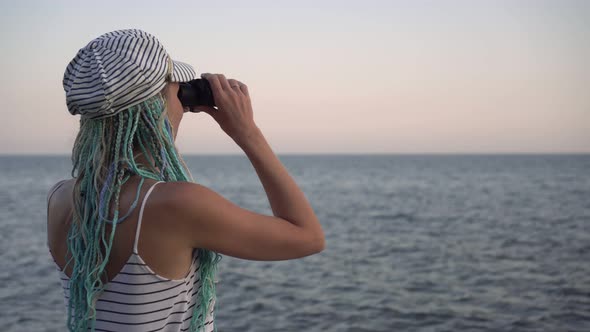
(328, 76)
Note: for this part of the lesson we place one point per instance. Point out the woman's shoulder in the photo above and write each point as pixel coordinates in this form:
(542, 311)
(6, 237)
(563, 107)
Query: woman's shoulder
(171, 195)
(59, 183)
(165, 193)
(180, 193)
(66, 183)
(181, 201)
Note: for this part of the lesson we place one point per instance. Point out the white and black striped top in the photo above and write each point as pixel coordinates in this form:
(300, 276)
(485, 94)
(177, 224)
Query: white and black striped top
(137, 299)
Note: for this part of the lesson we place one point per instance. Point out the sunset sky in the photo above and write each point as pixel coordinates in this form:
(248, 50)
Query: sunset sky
(329, 76)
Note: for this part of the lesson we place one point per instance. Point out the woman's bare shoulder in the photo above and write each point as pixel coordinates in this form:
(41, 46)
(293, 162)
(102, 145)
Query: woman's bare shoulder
(60, 186)
(174, 194)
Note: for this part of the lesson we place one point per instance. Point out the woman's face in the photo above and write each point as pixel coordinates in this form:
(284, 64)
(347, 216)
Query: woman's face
(173, 106)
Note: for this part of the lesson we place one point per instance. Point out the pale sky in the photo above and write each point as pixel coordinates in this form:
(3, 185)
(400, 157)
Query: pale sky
(328, 76)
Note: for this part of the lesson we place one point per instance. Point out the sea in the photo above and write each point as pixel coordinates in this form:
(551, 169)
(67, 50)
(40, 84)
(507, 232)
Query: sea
(440, 242)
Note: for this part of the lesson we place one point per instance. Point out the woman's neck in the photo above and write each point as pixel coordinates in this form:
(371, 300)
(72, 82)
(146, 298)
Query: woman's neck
(140, 158)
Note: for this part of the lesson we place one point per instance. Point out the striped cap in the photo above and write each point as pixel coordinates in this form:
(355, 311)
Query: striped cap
(117, 70)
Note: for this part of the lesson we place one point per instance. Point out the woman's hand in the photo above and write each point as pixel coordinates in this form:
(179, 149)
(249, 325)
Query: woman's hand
(234, 108)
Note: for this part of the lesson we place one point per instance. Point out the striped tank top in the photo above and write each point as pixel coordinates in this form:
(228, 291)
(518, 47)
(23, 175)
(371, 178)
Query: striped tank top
(137, 299)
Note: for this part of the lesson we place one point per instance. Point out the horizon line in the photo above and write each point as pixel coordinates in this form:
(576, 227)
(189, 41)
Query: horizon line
(332, 153)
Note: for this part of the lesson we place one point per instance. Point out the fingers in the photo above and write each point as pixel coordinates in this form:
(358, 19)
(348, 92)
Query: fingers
(235, 85)
(238, 86)
(207, 109)
(244, 89)
(214, 83)
(224, 83)
(220, 83)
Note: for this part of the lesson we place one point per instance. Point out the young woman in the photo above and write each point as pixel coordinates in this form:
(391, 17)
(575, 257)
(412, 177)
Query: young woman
(129, 263)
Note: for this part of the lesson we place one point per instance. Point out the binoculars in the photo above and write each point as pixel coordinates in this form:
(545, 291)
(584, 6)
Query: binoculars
(195, 93)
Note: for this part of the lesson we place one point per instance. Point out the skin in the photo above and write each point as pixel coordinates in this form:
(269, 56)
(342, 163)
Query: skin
(174, 107)
(175, 113)
(168, 259)
(182, 216)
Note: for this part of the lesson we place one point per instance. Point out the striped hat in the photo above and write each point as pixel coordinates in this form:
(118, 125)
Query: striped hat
(117, 70)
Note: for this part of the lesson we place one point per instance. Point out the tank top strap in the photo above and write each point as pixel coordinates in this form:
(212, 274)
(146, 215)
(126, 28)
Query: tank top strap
(145, 197)
(53, 189)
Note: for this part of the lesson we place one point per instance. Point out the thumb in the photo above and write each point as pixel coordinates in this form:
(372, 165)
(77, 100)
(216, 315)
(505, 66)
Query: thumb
(207, 109)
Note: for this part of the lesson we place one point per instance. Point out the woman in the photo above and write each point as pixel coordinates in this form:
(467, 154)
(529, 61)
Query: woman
(131, 264)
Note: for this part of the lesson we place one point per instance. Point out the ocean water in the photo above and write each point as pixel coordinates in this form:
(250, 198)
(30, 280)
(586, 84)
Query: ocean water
(413, 243)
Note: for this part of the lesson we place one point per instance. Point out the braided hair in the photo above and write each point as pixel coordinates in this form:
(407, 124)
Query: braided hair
(103, 161)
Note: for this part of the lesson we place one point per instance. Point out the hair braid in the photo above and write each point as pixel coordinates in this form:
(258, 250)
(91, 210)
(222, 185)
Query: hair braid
(103, 160)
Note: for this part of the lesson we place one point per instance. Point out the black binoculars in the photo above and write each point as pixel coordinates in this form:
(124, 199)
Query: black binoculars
(195, 93)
